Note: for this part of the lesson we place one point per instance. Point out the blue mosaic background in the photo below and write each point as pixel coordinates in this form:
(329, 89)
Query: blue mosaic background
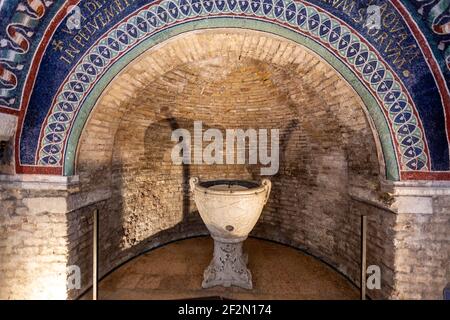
(420, 83)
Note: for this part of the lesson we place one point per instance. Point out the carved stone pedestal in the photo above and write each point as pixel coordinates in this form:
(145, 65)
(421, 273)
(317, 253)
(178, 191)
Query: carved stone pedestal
(228, 266)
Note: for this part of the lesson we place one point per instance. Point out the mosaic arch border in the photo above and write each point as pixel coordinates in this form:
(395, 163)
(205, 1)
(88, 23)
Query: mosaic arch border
(309, 20)
(278, 13)
(372, 107)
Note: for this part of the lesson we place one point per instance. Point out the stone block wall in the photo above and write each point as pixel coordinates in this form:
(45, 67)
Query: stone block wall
(381, 222)
(39, 241)
(408, 238)
(422, 239)
(33, 240)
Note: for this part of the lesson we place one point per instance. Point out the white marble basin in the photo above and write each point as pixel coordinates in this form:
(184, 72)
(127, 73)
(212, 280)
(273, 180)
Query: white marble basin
(230, 210)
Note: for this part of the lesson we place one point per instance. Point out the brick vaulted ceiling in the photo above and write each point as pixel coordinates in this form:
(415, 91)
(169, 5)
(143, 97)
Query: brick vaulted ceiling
(228, 80)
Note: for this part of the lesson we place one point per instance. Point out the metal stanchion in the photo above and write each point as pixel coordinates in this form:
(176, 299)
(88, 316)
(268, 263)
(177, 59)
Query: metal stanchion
(363, 256)
(95, 256)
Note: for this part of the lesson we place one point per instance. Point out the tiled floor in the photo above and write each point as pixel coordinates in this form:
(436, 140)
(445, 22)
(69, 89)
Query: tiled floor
(175, 271)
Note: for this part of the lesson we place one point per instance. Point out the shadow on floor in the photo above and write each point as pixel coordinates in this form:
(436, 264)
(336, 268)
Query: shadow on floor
(175, 271)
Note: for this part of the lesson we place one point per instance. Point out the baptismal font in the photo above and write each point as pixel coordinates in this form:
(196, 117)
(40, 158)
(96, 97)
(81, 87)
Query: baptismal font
(230, 210)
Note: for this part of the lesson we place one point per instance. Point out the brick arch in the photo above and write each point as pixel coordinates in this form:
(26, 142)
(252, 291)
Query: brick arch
(418, 133)
(262, 50)
(349, 53)
(118, 100)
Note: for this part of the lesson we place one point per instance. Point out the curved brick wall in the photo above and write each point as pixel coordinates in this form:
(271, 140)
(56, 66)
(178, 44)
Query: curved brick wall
(230, 80)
